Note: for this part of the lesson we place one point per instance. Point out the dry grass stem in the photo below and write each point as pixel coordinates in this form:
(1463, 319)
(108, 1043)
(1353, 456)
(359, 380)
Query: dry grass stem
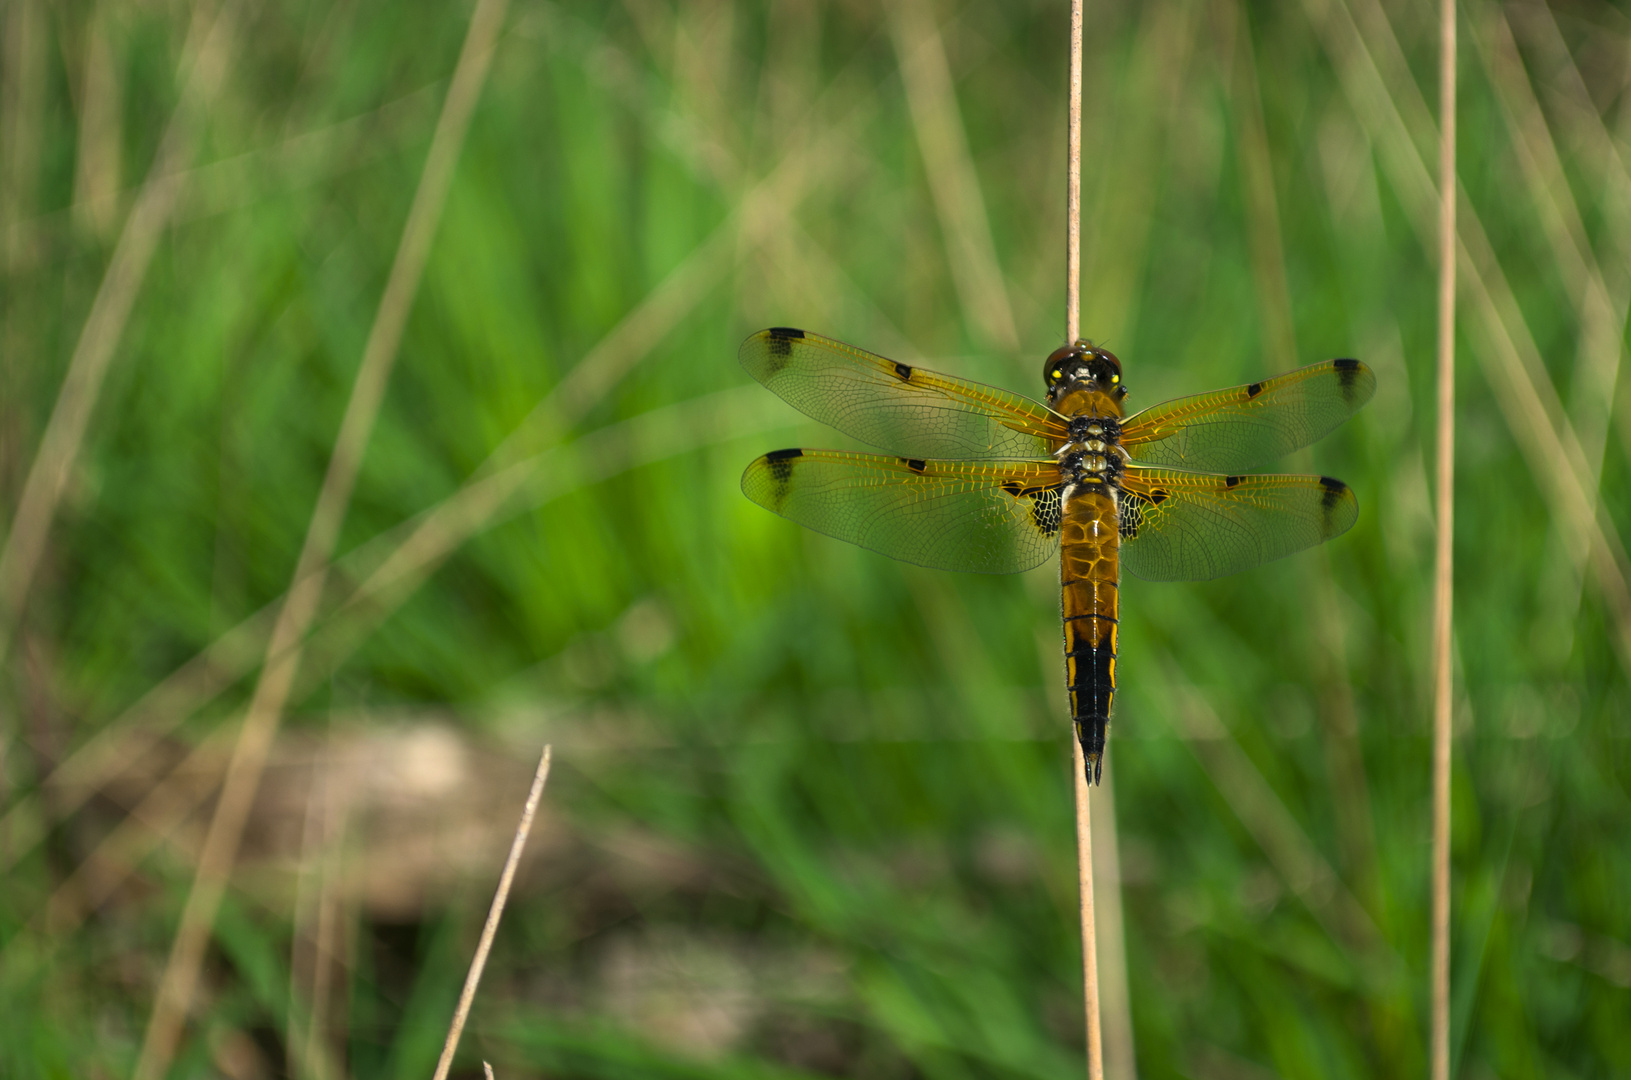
(494, 914)
(1090, 953)
(671, 431)
(208, 48)
(403, 560)
(1388, 103)
(1073, 315)
(1073, 182)
(1444, 554)
(1121, 1060)
(316, 924)
(180, 977)
(1262, 205)
(953, 181)
(1290, 850)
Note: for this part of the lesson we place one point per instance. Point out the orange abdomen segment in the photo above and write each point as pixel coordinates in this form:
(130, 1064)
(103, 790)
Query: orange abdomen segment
(1090, 577)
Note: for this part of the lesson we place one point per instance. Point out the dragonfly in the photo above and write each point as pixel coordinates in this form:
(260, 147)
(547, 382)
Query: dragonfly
(974, 478)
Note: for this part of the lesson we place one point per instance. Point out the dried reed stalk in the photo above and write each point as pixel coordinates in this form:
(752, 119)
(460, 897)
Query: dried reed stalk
(1090, 951)
(1073, 183)
(494, 913)
(1443, 562)
(283, 654)
(210, 42)
(1073, 318)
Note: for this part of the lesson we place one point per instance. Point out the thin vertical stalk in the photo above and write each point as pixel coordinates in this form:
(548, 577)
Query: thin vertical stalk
(285, 649)
(472, 978)
(1090, 937)
(1443, 562)
(1073, 315)
(1073, 183)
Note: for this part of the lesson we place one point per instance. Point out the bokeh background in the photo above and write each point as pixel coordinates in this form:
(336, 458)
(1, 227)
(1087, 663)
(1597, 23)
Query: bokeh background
(810, 811)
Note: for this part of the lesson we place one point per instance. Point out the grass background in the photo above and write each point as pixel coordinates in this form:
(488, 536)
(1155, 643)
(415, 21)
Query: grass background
(811, 809)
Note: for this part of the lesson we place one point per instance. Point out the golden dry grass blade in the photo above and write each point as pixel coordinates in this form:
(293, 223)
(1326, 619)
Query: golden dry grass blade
(1262, 204)
(1600, 306)
(1073, 182)
(668, 432)
(953, 181)
(1389, 106)
(415, 549)
(97, 154)
(1120, 1057)
(153, 821)
(1275, 828)
(1585, 130)
(1160, 72)
(1090, 937)
(24, 58)
(210, 44)
(1078, 770)
(494, 914)
(316, 917)
(1600, 300)
(1444, 548)
(180, 976)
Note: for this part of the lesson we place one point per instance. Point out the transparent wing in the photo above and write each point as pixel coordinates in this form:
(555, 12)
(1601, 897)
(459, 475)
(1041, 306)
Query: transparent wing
(1178, 526)
(897, 407)
(1246, 426)
(982, 517)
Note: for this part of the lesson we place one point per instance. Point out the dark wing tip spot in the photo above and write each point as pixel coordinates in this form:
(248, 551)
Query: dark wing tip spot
(1331, 504)
(917, 465)
(1254, 389)
(1348, 370)
(781, 340)
(781, 474)
(1331, 498)
(1231, 481)
(903, 371)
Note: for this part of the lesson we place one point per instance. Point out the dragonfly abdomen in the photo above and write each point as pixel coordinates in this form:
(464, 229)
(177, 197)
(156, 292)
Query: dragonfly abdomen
(1090, 577)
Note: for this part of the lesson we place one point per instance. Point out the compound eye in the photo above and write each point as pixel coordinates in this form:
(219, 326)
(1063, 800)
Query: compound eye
(1058, 362)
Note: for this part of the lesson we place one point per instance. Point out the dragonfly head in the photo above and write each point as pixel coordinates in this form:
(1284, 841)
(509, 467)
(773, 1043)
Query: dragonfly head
(1082, 366)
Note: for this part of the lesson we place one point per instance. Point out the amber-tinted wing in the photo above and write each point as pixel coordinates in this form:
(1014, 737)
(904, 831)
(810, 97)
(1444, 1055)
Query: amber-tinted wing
(897, 407)
(1247, 426)
(983, 517)
(1179, 526)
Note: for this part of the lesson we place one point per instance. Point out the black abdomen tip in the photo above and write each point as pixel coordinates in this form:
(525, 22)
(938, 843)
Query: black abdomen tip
(1092, 732)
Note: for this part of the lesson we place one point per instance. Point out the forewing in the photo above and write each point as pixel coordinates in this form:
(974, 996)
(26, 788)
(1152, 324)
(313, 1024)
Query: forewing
(1178, 526)
(897, 407)
(1247, 426)
(982, 517)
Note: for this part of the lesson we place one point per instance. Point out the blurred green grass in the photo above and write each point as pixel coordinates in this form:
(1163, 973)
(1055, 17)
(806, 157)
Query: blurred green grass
(811, 809)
